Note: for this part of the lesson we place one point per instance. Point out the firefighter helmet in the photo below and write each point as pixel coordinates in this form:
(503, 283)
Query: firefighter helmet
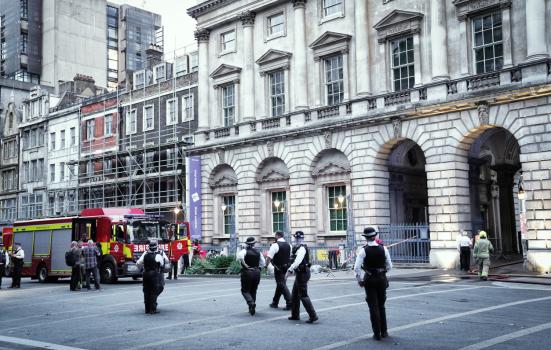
(483, 234)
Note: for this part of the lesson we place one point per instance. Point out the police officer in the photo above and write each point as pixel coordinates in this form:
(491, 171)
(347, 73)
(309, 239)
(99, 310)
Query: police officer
(153, 262)
(374, 259)
(17, 257)
(252, 261)
(300, 265)
(4, 261)
(280, 255)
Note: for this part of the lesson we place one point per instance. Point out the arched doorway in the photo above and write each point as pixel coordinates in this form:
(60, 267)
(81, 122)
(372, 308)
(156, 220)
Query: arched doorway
(494, 167)
(407, 184)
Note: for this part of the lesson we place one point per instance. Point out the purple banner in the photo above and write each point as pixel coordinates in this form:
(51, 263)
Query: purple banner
(194, 200)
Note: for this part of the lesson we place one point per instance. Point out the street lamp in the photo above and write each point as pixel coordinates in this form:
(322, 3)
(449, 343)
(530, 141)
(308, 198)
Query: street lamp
(522, 206)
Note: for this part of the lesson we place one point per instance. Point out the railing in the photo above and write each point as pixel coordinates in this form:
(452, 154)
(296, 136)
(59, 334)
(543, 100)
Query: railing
(327, 112)
(482, 81)
(406, 243)
(270, 123)
(398, 98)
(222, 132)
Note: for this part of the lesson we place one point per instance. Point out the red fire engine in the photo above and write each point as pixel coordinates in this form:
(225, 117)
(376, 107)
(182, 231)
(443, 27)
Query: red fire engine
(122, 234)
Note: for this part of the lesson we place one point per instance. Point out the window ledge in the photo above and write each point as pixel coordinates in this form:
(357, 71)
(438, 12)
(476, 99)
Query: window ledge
(331, 17)
(333, 234)
(275, 36)
(227, 52)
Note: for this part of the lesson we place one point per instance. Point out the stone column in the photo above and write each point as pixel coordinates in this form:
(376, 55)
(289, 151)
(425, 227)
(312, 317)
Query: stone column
(463, 54)
(439, 45)
(247, 98)
(506, 181)
(202, 37)
(536, 46)
(300, 83)
(362, 49)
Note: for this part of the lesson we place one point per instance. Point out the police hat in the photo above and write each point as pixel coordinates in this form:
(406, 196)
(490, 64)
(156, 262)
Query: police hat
(369, 232)
(250, 240)
(153, 245)
(299, 234)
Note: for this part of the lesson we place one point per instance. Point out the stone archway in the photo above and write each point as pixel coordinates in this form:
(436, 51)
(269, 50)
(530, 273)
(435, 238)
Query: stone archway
(494, 164)
(408, 196)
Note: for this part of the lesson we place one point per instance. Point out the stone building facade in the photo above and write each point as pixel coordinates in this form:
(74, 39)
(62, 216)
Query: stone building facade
(351, 113)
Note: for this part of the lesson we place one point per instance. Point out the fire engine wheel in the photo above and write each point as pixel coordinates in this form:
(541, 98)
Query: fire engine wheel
(108, 273)
(42, 274)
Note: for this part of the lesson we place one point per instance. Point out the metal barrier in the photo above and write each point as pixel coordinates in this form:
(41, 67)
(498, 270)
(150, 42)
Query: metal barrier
(406, 243)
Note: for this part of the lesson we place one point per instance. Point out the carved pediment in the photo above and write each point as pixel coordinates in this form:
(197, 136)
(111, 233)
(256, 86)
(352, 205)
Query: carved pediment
(331, 168)
(398, 23)
(469, 7)
(272, 175)
(224, 181)
(273, 55)
(224, 70)
(329, 43)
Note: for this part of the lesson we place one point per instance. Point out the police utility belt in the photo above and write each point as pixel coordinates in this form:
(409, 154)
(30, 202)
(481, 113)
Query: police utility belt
(376, 271)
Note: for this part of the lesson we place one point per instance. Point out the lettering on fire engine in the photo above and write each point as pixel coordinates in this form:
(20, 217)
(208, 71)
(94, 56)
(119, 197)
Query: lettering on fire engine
(140, 248)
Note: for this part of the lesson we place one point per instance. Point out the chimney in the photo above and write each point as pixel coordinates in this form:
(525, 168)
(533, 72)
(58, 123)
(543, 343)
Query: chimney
(154, 55)
(83, 82)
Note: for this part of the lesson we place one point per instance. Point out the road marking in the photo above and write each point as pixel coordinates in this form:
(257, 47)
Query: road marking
(502, 339)
(241, 325)
(433, 320)
(36, 344)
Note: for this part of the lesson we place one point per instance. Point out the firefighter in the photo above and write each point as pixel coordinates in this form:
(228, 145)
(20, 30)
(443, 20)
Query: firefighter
(4, 261)
(482, 249)
(172, 253)
(17, 257)
(374, 259)
(280, 255)
(300, 262)
(252, 261)
(153, 279)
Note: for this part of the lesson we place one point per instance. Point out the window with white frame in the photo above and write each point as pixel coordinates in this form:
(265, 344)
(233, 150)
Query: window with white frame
(89, 168)
(73, 136)
(488, 42)
(9, 180)
(90, 129)
(52, 172)
(170, 157)
(7, 209)
(107, 166)
(160, 72)
(277, 93)
(276, 24)
(52, 141)
(334, 79)
(279, 206)
(403, 69)
(108, 125)
(171, 112)
(336, 199)
(62, 139)
(228, 104)
(194, 61)
(181, 65)
(331, 7)
(187, 104)
(131, 122)
(148, 122)
(227, 41)
(229, 214)
(139, 79)
(62, 171)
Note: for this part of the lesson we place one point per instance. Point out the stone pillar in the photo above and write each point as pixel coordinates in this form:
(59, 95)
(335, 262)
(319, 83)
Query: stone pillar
(300, 83)
(202, 37)
(506, 37)
(536, 46)
(247, 98)
(505, 181)
(362, 49)
(463, 54)
(439, 49)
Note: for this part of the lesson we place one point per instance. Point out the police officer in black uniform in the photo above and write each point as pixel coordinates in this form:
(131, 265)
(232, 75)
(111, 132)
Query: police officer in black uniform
(374, 259)
(300, 265)
(153, 262)
(280, 256)
(252, 261)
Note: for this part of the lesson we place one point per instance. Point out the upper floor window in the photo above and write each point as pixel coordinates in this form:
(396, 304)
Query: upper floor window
(139, 79)
(108, 125)
(227, 41)
(276, 24)
(488, 42)
(62, 139)
(334, 79)
(228, 104)
(90, 129)
(187, 105)
(62, 171)
(73, 136)
(332, 7)
(131, 121)
(160, 72)
(194, 61)
(52, 141)
(403, 71)
(52, 172)
(148, 122)
(277, 93)
(171, 113)
(24, 9)
(180, 66)
(10, 149)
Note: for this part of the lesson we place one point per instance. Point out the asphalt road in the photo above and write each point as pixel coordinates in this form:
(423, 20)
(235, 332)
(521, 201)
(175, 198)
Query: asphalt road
(209, 313)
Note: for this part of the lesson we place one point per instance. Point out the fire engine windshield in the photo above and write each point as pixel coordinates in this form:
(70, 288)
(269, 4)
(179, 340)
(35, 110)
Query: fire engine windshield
(140, 231)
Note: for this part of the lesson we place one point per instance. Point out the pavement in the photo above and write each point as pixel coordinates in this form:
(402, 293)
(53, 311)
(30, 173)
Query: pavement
(426, 309)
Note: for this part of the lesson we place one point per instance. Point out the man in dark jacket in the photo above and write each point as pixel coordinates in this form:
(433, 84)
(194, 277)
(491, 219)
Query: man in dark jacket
(75, 269)
(252, 261)
(90, 254)
(374, 259)
(280, 255)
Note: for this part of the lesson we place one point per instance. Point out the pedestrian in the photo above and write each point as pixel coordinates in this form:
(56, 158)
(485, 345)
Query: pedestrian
(374, 259)
(252, 261)
(482, 249)
(279, 255)
(300, 266)
(90, 254)
(4, 261)
(464, 245)
(153, 262)
(173, 255)
(76, 276)
(17, 256)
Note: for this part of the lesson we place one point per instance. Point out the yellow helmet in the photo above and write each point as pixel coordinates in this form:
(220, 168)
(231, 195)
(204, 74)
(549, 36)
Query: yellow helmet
(482, 234)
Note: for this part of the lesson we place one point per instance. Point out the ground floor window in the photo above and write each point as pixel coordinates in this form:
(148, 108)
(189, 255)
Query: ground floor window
(336, 199)
(229, 214)
(279, 204)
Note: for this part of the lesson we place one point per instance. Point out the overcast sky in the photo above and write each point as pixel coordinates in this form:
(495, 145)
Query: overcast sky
(178, 25)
